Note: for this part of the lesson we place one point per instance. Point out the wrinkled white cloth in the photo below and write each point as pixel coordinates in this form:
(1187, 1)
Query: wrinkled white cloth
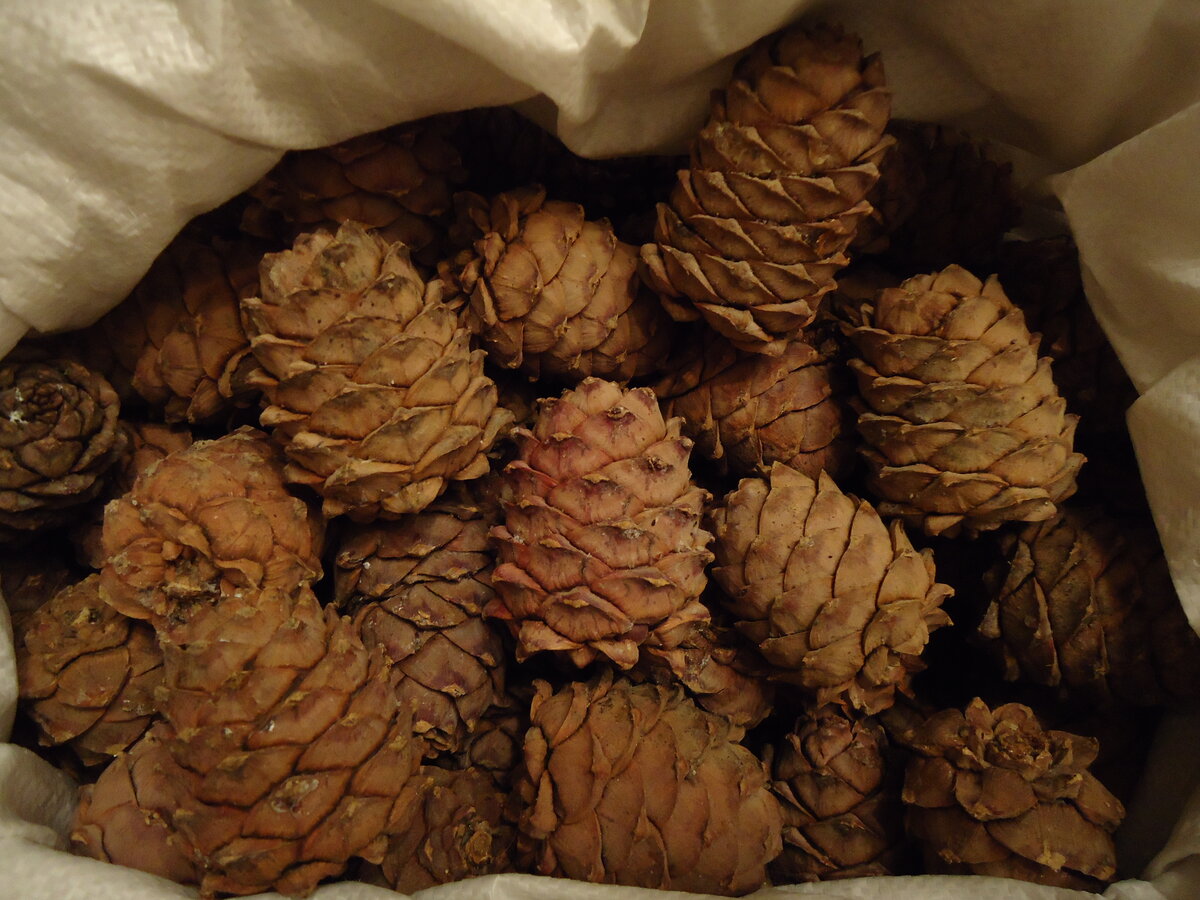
(122, 119)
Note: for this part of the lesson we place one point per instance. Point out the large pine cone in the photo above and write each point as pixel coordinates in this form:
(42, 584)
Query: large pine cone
(634, 785)
(372, 386)
(840, 795)
(211, 520)
(1084, 602)
(755, 230)
(964, 426)
(58, 438)
(553, 294)
(837, 602)
(87, 674)
(992, 793)
(602, 545)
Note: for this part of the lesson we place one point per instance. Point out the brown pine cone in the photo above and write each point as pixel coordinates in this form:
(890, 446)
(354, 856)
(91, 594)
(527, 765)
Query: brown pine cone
(87, 674)
(555, 295)
(836, 601)
(633, 784)
(602, 545)
(212, 520)
(1084, 602)
(840, 796)
(964, 426)
(371, 385)
(59, 437)
(494, 746)
(31, 575)
(992, 793)
(417, 588)
(755, 230)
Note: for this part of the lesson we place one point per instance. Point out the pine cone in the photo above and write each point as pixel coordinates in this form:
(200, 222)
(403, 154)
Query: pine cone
(634, 785)
(964, 426)
(31, 576)
(87, 674)
(746, 411)
(555, 295)
(371, 384)
(1084, 602)
(836, 601)
(58, 439)
(602, 545)
(991, 793)
(213, 519)
(417, 588)
(755, 230)
(397, 181)
(840, 796)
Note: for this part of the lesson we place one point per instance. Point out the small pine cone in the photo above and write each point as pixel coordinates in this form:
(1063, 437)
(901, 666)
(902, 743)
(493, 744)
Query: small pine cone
(371, 385)
(397, 181)
(125, 817)
(417, 588)
(840, 795)
(602, 544)
(1084, 602)
(992, 793)
(87, 674)
(210, 520)
(746, 411)
(459, 831)
(635, 785)
(756, 229)
(836, 601)
(59, 437)
(964, 426)
(555, 295)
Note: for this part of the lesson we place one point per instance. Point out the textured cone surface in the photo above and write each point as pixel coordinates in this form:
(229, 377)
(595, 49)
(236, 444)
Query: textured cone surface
(58, 438)
(295, 753)
(1085, 602)
(213, 519)
(553, 294)
(125, 817)
(964, 427)
(371, 385)
(634, 785)
(756, 229)
(602, 544)
(87, 674)
(840, 796)
(990, 792)
(418, 587)
(31, 576)
(398, 181)
(836, 601)
(746, 410)
(495, 745)
(459, 831)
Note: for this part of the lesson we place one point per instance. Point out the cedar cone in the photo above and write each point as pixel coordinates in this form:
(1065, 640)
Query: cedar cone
(371, 384)
(836, 601)
(58, 439)
(756, 229)
(602, 546)
(964, 426)
(87, 674)
(634, 785)
(1084, 602)
(991, 793)
(31, 576)
(555, 295)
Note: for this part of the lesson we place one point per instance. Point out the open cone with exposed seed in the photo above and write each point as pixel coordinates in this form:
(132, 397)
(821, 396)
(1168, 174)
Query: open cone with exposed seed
(635, 785)
(370, 383)
(757, 228)
(601, 547)
(838, 603)
(990, 792)
(964, 427)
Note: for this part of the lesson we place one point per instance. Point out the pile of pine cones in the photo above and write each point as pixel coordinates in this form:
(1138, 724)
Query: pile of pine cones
(439, 509)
